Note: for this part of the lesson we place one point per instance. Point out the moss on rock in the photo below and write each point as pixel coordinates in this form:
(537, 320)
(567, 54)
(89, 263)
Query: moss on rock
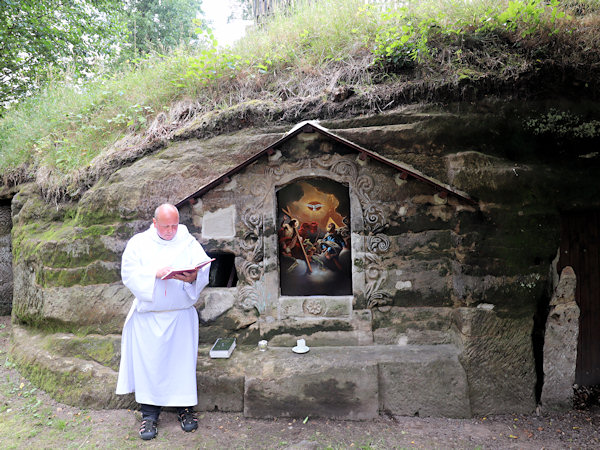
(104, 350)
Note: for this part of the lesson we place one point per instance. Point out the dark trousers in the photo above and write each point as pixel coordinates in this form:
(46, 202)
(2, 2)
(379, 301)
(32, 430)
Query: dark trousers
(153, 411)
(150, 411)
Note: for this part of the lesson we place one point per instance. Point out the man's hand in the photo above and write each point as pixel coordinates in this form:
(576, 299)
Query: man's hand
(188, 277)
(162, 272)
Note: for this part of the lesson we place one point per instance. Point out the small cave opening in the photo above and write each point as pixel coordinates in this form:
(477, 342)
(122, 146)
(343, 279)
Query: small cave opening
(222, 270)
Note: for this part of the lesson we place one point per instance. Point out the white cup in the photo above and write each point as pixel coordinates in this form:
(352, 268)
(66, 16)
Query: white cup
(301, 343)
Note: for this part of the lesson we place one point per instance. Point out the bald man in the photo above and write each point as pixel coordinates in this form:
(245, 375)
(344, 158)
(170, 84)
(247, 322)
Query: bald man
(159, 344)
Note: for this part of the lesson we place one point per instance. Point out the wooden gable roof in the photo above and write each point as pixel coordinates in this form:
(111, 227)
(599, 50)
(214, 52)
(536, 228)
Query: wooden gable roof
(311, 126)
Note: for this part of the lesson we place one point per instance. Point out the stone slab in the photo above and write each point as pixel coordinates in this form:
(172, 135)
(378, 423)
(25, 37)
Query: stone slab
(497, 354)
(325, 382)
(348, 382)
(413, 325)
(320, 332)
(71, 380)
(216, 302)
(425, 383)
(315, 307)
(220, 392)
(355, 383)
(219, 224)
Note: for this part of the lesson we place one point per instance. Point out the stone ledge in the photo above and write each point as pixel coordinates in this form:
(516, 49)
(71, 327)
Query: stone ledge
(320, 332)
(355, 383)
(74, 381)
(352, 383)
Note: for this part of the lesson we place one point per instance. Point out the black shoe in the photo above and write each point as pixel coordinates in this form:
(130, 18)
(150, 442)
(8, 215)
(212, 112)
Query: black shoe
(188, 419)
(148, 429)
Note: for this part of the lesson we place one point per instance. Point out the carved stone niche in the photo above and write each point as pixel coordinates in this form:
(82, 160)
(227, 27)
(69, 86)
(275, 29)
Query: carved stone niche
(314, 249)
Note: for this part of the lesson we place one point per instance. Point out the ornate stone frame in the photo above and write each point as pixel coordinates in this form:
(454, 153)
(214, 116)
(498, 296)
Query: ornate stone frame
(259, 268)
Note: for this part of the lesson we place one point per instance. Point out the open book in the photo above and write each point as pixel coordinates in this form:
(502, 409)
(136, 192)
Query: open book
(189, 269)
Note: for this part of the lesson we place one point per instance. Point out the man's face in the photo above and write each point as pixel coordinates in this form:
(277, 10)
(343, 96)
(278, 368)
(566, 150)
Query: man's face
(166, 223)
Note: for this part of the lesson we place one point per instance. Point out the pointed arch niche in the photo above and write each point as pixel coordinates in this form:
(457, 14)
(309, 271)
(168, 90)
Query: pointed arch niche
(314, 245)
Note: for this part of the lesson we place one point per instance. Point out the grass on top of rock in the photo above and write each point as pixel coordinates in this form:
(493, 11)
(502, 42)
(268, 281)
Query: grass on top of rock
(68, 136)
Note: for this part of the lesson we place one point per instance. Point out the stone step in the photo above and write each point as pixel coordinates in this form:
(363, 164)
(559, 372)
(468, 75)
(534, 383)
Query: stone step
(339, 382)
(352, 383)
(356, 330)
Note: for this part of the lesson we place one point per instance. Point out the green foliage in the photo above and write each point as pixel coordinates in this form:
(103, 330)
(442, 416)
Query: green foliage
(404, 34)
(562, 125)
(525, 15)
(401, 39)
(66, 126)
(306, 38)
(163, 25)
(37, 39)
(41, 41)
(205, 67)
(312, 34)
(133, 117)
(315, 34)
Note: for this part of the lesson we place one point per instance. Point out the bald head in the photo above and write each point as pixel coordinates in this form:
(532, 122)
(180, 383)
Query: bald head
(166, 220)
(165, 208)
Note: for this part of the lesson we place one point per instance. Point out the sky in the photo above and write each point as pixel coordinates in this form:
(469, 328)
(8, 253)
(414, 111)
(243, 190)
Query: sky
(217, 11)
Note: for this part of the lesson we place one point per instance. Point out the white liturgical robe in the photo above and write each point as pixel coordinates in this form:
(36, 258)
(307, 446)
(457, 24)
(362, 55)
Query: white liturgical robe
(159, 344)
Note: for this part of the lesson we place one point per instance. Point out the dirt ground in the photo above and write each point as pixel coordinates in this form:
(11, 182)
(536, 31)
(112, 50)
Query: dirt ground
(29, 418)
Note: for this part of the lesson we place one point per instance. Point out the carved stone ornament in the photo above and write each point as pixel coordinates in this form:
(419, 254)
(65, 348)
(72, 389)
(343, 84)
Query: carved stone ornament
(378, 243)
(274, 172)
(253, 240)
(364, 186)
(250, 271)
(375, 278)
(248, 298)
(260, 186)
(343, 167)
(312, 306)
(374, 218)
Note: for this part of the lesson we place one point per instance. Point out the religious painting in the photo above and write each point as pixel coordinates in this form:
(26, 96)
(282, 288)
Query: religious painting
(314, 238)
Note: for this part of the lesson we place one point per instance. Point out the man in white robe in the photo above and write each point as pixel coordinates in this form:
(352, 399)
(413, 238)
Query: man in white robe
(159, 345)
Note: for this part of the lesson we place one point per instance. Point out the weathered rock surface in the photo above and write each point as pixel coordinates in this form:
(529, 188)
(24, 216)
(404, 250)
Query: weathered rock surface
(354, 331)
(326, 383)
(6, 275)
(425, 381)
(66, 374)
(497, 356)
(560, 345)
(413, 326)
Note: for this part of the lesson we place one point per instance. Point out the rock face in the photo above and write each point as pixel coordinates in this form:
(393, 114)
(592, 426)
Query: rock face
(425, 381)
(6, 275)
(76, 371)
(497, 357)
(560, 345)
(436, 317)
